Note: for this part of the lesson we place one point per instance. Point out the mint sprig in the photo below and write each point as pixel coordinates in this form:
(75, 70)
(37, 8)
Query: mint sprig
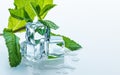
(25, 11)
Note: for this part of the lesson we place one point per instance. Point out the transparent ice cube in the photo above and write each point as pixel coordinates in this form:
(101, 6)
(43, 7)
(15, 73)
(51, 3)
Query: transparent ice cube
(56, 46)
(36, 31)
(39, 44)
(29, 51)
(35, 45)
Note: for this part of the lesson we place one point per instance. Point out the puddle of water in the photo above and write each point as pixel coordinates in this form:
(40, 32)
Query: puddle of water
(62, 66)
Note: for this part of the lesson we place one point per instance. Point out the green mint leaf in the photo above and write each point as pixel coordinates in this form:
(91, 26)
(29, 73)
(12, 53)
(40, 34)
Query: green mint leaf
(29, 8)
(15, 24)
(22, 3)
(20, 14)
(70, 44)
(36, 8)
(45, 10)
(48, 2)
(25, 11)
(40, 3)
(19, 3)
(12, 42)
(50, 24)
(43, 3)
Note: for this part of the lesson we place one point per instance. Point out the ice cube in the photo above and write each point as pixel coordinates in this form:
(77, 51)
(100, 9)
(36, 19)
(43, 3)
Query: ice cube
(39, 44)
(32, 52)
(56, 46)
(27, 50)
(36, 31)
(35, 45)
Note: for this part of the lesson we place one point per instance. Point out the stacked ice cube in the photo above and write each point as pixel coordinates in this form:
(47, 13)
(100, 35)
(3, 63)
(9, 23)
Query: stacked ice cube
(39, 45)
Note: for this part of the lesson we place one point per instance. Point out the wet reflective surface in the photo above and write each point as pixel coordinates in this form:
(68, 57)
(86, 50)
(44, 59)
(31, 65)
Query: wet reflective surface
(60, 66)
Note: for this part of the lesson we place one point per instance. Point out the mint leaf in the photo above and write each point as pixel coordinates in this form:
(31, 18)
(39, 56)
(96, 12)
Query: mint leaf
(41, 3)
(48, 2)
(36, 8)
(19, 3)
(12, 42)
(45, 10)
(15, 24)
(30, 7)
(22, 3)
(70, 44)
(20, 14)
(26, 10)
(50, 24)
(27, 6)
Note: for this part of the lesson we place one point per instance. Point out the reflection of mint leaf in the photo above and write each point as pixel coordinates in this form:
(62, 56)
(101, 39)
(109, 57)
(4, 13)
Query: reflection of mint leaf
(37, 41)
(50, 24)
(60, 44)
(15, 24)
(12, 42)
(70, 44)
(40, 31)
(52, 57)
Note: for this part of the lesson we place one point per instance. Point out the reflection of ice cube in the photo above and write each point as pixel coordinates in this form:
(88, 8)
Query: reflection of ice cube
(56, 46)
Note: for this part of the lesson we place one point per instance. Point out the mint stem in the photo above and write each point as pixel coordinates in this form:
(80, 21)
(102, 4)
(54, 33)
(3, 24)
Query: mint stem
(19, 29)
(15, 30)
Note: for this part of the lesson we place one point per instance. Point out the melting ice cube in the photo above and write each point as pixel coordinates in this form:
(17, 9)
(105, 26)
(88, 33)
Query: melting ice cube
(34, 31)
(39, 44)
(56, 46)
(36, 36)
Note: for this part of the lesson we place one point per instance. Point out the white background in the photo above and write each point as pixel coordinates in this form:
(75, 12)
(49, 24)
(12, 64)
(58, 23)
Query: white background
(95, 24)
